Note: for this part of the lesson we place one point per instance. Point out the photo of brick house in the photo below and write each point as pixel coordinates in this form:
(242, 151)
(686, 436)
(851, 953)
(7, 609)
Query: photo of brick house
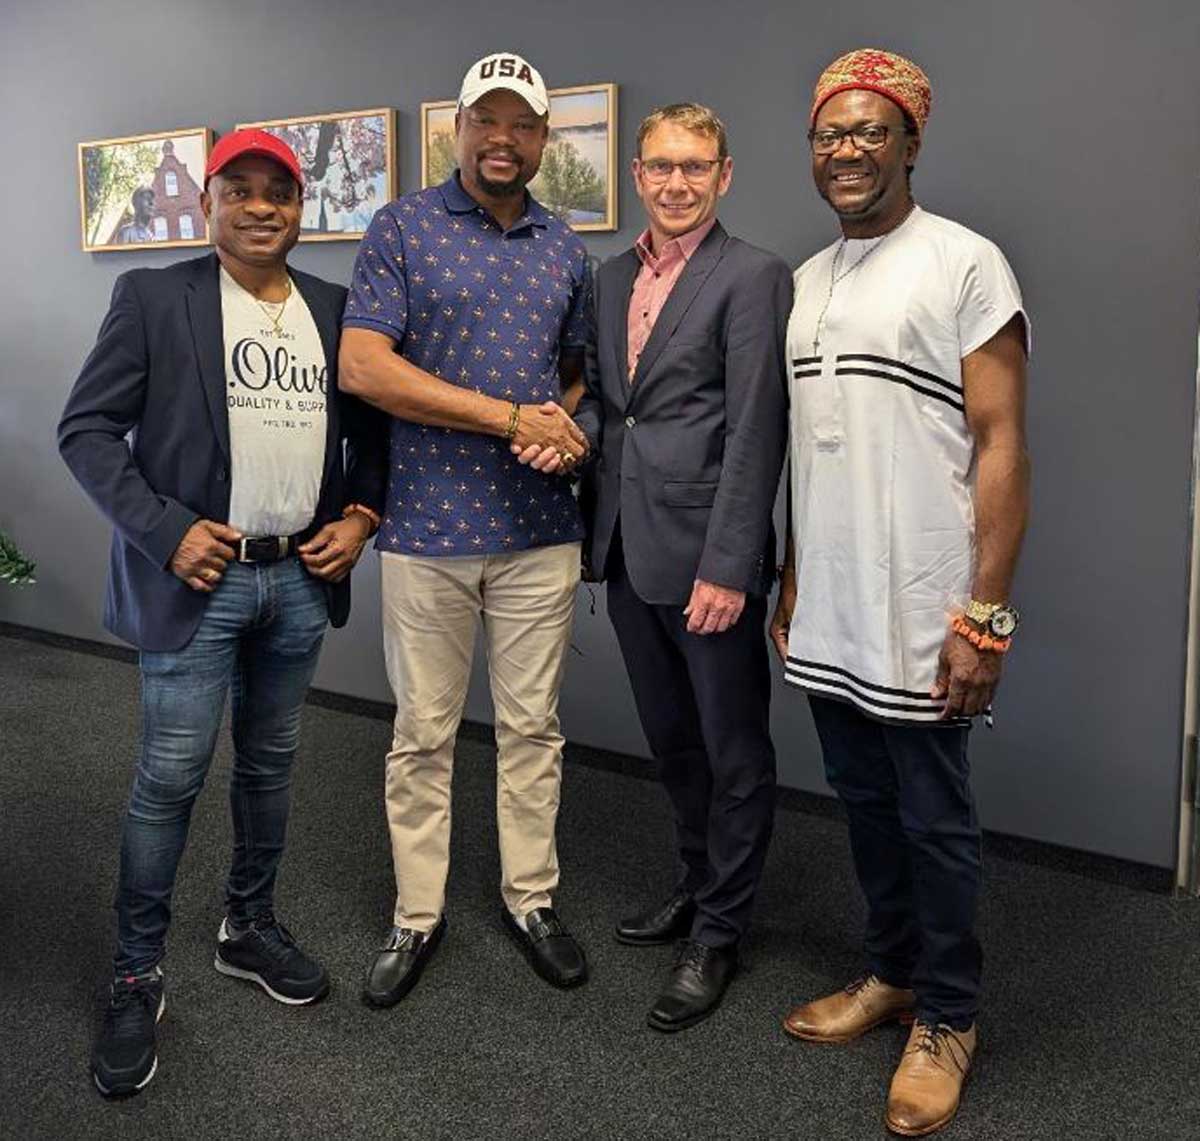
(143, 190)
(176, 199)
(176, 215)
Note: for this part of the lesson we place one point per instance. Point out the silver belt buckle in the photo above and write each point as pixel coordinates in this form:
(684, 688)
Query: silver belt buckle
(282, 543)
(242, 550)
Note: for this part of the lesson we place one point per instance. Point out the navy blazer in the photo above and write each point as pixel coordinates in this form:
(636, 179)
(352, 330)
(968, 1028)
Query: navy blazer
(146, 432)
(688, 454)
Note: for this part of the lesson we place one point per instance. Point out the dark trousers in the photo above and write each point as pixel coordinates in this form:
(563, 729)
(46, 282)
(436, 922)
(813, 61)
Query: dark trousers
(703, 702)
(915, 838)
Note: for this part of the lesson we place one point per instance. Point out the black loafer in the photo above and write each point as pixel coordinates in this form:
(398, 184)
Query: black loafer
(664, 923)
(398, 966)
(695, 987)
(551, 951)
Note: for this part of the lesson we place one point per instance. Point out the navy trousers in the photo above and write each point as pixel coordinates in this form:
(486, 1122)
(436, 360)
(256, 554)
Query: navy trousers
(915, 838)
(703, 702)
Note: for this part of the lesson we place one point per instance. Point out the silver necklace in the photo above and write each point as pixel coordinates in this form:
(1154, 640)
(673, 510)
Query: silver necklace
(835, 277)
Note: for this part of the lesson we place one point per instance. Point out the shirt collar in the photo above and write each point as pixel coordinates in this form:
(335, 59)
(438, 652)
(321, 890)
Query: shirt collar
(458, 201)
(683, 246)
(535, 212)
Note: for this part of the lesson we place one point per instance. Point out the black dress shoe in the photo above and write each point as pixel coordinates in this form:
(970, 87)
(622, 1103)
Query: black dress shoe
(398, 966)
(551, 951)
(664, 923)
(696, 986)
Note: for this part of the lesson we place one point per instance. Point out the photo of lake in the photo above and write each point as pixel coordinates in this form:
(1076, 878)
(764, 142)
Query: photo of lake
(576, 175)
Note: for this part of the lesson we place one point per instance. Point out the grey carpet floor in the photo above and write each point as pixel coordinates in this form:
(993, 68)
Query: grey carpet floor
(1090, 1028)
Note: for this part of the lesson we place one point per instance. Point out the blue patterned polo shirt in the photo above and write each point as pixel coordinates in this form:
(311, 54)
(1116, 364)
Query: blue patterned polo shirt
(484, 308)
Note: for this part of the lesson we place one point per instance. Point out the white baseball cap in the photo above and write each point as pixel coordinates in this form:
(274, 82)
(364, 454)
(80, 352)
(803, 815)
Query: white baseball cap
(504, 70)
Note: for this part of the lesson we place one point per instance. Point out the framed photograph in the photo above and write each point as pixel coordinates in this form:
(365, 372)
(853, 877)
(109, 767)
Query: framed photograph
(349, 164)
(144, 190)
(578, 176)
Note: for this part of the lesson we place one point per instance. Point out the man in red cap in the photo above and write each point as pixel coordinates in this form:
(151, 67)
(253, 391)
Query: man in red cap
(909, 496)
(207, 425)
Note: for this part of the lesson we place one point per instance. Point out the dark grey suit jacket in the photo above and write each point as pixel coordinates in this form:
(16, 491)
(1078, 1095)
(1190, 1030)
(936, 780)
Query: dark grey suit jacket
(688, 455)
(146, 432)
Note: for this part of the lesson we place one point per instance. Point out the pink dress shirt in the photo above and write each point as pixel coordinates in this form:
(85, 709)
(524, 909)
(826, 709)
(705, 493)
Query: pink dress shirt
(654, 283)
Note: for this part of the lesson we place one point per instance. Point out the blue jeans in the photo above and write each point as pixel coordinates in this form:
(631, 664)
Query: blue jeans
(260, 637)
(916, 843)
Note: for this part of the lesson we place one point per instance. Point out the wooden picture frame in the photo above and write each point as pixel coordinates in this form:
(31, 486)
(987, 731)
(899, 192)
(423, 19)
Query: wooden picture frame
(355, 152)
(581, 153)
(143, 191)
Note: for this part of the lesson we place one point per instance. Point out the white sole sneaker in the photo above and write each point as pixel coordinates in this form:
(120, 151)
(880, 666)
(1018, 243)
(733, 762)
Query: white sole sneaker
(162, 1006)
(233, 972)
(254, 977)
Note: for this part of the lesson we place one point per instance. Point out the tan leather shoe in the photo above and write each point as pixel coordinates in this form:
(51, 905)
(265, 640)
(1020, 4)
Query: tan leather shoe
(928, 1082)
(841, 1017)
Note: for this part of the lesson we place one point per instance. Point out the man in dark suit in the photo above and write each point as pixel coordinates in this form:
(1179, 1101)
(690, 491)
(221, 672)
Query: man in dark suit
(207, 425)
(686, 411)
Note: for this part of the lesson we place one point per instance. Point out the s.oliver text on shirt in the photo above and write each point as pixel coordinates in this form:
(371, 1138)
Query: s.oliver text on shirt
(256, 367)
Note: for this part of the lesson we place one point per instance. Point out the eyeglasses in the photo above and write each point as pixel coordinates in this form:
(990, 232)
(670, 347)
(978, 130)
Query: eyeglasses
(871, 137)
(693, 169)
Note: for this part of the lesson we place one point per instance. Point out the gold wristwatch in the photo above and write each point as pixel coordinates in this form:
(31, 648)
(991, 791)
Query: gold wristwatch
(999, 618)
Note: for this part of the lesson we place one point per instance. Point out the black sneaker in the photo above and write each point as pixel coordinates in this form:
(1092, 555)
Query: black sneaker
(124, 1057)
(265, 953)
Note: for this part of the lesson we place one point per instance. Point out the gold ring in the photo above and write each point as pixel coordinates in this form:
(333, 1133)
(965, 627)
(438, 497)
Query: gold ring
(568, 458)
(209, 573)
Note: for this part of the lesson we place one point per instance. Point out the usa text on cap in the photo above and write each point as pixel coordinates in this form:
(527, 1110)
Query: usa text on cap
(505, 70)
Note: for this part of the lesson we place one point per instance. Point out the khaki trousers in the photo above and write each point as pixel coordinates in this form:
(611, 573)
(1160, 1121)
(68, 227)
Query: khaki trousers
(431, 610)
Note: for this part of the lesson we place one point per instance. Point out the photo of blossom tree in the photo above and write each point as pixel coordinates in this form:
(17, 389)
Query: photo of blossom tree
(577, 175)
(348, 160)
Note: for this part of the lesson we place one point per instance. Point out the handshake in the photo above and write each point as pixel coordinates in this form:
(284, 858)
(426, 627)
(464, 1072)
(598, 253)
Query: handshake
(544, 437)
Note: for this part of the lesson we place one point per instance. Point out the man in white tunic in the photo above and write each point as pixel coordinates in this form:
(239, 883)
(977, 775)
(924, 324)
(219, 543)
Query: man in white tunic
(909, 495)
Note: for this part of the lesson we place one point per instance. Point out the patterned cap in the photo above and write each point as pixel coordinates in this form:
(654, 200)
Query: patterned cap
(871, 69)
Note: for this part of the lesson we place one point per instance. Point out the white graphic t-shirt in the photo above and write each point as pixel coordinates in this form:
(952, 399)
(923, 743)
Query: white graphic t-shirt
(276, 392)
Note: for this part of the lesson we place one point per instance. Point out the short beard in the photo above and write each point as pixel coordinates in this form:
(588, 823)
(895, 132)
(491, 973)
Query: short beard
(857, 211)
(500, 189)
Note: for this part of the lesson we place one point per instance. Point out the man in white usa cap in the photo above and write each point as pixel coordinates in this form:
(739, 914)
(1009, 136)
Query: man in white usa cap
(503, 71)
(466, 322)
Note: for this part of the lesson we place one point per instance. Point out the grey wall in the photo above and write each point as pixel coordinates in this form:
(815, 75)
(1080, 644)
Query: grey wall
(1066, 131)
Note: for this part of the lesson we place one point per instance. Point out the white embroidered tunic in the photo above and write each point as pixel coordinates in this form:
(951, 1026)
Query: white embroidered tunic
(882, 460)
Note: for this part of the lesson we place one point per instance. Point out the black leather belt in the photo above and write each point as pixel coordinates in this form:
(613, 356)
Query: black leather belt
(267, 548)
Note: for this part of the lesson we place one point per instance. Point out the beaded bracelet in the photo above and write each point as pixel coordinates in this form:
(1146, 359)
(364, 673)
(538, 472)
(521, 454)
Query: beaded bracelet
(979, 640)
(362, 509)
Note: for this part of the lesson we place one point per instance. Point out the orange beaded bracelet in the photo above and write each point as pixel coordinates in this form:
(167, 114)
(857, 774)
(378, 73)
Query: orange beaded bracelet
(979, 640)
(362, 509)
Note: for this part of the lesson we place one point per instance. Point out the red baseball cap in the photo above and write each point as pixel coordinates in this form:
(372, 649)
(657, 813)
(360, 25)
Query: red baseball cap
(252, 141)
